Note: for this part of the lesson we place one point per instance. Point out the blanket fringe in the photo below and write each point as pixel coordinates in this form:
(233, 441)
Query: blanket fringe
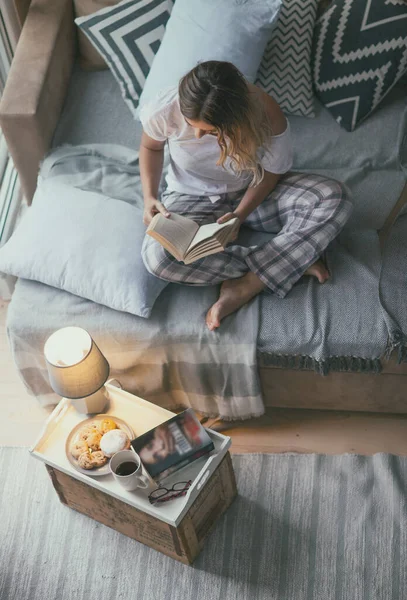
(353, 364)
(397, 341)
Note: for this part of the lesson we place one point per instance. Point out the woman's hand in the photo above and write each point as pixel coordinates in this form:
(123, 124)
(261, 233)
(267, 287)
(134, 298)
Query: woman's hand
(152, 206)
(227, 217)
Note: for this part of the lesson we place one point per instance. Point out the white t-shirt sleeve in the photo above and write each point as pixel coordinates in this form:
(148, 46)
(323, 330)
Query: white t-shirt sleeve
(277, 156)
(157, 117)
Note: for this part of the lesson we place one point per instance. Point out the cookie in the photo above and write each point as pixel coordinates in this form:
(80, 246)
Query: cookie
(78, 448)
(93, 440)
(106, 425)
(85, 461)
(87, 430)
(98, 458)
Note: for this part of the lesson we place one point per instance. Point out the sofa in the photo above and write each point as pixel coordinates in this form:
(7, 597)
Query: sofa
(50, 101)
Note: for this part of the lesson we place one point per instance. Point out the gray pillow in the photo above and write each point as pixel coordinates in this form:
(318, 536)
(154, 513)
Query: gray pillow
(232, 30)
(86, 244)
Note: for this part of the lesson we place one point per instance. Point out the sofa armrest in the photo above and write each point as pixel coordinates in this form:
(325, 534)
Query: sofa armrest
(36, 86)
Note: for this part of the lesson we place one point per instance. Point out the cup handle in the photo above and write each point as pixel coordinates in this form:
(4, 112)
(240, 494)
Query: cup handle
(144, 480)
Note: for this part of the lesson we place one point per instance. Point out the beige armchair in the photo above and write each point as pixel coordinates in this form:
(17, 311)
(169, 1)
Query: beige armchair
(31, 105)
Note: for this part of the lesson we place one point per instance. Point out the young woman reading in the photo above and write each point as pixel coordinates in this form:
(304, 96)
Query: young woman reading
(230, 156)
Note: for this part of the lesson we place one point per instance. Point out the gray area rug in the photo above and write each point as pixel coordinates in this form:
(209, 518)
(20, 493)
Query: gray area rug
(304, 527)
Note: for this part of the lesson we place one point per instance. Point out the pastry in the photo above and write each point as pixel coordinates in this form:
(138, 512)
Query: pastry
(106, 425)
(85, 461)
(98, 458)
(114, 441)
(93, 440)
(78, 448)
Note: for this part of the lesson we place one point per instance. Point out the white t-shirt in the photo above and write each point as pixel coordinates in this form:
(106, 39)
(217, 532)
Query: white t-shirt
(193, 168)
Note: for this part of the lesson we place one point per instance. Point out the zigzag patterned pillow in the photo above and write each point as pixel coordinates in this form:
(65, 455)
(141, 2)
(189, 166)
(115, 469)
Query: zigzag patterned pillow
(285, 69)
(128, 36)
(360, 52)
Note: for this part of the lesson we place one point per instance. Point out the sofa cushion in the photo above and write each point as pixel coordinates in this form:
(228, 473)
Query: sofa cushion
(376, 143)
(211, 30)
(91, 97)
(360, 52)
(285, 69)
(84, 243)
(128, 36)
(89, 58)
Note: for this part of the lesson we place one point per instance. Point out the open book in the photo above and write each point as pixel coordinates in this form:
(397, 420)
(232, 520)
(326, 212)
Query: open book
(186, 240)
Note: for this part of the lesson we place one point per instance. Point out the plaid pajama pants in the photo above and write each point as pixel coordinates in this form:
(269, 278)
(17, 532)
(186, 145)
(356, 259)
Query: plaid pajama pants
(306, 212)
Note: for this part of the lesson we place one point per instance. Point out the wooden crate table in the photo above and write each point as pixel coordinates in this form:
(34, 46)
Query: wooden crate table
(177, 528)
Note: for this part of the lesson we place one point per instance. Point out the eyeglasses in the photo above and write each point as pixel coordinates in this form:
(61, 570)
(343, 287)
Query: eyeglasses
(163, 494)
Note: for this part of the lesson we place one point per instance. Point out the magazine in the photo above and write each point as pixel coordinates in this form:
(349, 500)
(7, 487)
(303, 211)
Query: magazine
(172, 445)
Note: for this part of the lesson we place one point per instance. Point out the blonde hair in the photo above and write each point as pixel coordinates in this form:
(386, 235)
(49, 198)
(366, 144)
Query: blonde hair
(217, 93)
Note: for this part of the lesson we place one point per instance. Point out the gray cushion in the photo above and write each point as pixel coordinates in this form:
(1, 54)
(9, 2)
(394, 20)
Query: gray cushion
(90, 98)
(376, 143)
(84, 243)
(236, 31)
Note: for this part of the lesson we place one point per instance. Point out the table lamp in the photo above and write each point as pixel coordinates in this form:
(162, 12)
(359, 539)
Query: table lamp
(77, 369)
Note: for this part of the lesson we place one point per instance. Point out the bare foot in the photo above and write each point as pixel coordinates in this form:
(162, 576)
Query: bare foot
(234, 293)
(318, 270)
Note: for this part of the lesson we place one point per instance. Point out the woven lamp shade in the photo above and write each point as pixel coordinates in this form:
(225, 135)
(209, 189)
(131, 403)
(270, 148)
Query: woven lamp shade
(76, 366)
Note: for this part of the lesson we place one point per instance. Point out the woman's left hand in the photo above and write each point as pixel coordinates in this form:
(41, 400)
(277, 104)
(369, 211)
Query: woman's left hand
(227, 217)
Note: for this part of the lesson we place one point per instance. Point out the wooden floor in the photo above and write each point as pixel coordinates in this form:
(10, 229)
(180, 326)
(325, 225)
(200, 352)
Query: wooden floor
(279, 430)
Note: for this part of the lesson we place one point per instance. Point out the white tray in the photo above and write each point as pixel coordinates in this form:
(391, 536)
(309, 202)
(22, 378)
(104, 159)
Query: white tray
(141, 416)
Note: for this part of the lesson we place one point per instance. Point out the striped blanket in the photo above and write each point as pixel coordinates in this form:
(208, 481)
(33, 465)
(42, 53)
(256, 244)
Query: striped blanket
(171, 358)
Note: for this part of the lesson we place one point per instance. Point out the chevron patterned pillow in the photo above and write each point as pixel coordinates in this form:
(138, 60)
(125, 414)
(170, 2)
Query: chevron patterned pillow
(128, 36)
(285, 69)
(360, 52)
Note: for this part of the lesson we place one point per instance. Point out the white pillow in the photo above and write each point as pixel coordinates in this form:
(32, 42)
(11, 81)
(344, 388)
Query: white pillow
(199, 30)
(86, 244)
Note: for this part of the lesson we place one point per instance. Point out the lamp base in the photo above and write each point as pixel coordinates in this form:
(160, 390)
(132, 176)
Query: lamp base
(95, 403)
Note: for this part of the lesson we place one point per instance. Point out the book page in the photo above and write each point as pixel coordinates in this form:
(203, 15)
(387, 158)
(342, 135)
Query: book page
(208, 231)
(174, 232)
(190, 259)
(203, 249)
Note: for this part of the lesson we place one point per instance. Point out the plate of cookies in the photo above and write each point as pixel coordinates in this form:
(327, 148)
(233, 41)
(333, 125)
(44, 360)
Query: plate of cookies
(92, 443)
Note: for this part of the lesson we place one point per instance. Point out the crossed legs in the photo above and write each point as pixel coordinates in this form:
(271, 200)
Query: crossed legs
(306, 212)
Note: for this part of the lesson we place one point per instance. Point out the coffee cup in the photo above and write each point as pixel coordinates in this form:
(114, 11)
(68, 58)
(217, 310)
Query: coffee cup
(127, 469)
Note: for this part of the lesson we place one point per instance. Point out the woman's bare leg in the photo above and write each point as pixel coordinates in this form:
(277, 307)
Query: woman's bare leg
(234, 293)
